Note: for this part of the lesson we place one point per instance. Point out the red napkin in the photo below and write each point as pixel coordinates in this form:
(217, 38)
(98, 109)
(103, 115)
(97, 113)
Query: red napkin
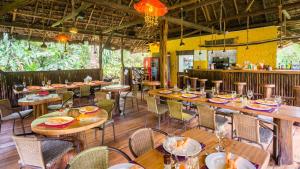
(43, 93)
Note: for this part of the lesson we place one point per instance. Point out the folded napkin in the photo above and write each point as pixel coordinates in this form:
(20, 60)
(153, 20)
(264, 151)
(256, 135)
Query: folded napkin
(255, 165)
(56, 126)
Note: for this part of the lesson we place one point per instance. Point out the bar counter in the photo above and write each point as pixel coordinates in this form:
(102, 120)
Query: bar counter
(284, 80)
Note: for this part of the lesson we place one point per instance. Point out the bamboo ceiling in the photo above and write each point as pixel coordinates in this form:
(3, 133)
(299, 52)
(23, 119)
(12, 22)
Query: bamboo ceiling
(35, 19)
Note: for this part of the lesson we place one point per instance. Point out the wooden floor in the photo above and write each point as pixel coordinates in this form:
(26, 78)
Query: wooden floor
(125, 126)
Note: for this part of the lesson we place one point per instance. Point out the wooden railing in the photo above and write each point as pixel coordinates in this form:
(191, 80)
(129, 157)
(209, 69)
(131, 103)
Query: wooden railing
(284, 80)
(9, 79)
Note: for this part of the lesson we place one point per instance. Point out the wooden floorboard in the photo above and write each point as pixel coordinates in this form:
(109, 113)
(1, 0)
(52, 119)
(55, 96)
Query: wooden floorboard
(125, 126)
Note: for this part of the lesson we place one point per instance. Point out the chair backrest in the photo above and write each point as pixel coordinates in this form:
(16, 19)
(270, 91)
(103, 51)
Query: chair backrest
(85, 90)
(207, 116)
(61, 90)
(141, 141)
(67, 96)
(135, 89)
(107, 105)
(175, 109)
(93, 158)
(29, 150)
(247, 127)
(99, 95)
(5, 108)
(151, 104)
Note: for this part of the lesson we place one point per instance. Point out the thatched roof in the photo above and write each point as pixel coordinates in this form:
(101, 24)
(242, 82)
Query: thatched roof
(42, 19)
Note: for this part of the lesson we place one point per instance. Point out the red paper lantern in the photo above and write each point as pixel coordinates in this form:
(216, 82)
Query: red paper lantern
(62, 38)
(151, 7)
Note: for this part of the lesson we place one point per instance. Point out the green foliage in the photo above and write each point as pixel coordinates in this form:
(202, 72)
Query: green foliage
(289, 54)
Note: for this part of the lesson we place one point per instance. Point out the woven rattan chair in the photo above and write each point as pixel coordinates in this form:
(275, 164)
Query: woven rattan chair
(108, 105)
(7, 113)
(131, 95)
(61, 90)
(251, 129)
(142, 141)
(94, 158)
(177, 113)
(208, 118)
(85, 91)
(66, 98)
(100, 95)
(40, 152)
(157, 109)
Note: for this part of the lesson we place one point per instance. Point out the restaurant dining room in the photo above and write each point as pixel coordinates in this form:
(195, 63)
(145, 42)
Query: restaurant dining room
(150, 84)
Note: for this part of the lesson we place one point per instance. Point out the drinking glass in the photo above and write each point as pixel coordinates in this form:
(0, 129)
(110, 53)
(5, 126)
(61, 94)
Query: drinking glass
(233, 94)
(43, 83)
(49, 82)
(188, 88)
(24, 84)
(249, 94)
(220, 133)
(213, 91)
(278, 100)
(66, 81)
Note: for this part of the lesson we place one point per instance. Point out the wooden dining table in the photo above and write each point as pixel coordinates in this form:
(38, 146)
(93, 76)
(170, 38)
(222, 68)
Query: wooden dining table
(284, 117)
(76, 128)
(154, 158)
(39, 103)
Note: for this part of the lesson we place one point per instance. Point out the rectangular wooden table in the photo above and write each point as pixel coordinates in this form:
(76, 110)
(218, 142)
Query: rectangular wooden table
(284, 117)
(154, 158)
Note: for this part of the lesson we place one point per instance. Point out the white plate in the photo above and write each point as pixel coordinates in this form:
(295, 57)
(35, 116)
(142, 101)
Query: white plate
(218, 100)
(190, 148)
(123, 166)
(55, 121)
(217, 161)
(165, 92)
(189, 95)
(84, 109)
(259, 107)
(266, 102)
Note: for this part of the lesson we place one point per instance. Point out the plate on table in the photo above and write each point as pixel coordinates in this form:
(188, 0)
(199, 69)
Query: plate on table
(218, 161)
(57, 121)
(33, 87)
(225, 96)
(188, 95)
(165, 92)
(126, 166)
(266, 102)
(259, 107)
(195, 92)
(176, 89)
(88, 109)
(218, 100)
(182, 146)
(58, 85)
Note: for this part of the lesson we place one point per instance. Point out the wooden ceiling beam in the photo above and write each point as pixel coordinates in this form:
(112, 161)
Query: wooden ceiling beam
(236, 10)
(249, 5)
(90, 17)
(182, 4)
(123, 26)
(199, 5)
(14, 5)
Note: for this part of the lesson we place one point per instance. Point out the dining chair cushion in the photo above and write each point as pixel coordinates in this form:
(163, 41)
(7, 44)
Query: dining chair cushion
(226, 111)
(220, 120)
(55, 106)
(52, 150)
(265, 118)
(15, 115)
(162, 108)
(266, 135)
(187, 117)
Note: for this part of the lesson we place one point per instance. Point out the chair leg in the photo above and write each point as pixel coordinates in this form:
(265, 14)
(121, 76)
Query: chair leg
(113, 125)
(0, 125)
(132, 104)
(159, 121)
(103, 132)
(14, 126)
(124, 106)
(22, 123)
(137, 104)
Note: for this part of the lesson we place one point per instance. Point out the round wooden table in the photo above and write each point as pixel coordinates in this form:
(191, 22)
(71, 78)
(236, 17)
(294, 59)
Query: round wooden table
(116, 90)
(90, 121)
(39, 103)
(152, 84)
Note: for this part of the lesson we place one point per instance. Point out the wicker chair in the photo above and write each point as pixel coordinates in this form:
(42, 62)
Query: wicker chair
(99, 95)
(7, 113)
(94, 158)
(142, 141)
(131, 95)
(158, 109)
(109, 106)
(40, 152)
(61, 90)
(177, 113)
(208, 118)
(251, 129)
(66, 98)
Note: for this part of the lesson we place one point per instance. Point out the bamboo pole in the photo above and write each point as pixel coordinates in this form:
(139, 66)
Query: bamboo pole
(122, 61)
(163, 53)
(100, 57)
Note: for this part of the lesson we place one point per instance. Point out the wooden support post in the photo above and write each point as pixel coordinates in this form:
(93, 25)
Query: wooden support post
(283, 149)
(163, 53)
(122, 62)
(100, 56)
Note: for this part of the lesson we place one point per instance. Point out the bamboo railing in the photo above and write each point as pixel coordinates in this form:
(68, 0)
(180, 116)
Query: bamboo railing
(9, 79)
(284, 80)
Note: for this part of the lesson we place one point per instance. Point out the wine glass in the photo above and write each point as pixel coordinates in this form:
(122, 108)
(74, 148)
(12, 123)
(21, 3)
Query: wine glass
(66, 81)
(24, 84)
(233, 94)
(220, 133)
(278, 100)
(49, 82)
(213, 91)
(43, 83)
(249, 94)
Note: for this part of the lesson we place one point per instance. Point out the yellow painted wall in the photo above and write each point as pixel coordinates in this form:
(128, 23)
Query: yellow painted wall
(265, 53)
